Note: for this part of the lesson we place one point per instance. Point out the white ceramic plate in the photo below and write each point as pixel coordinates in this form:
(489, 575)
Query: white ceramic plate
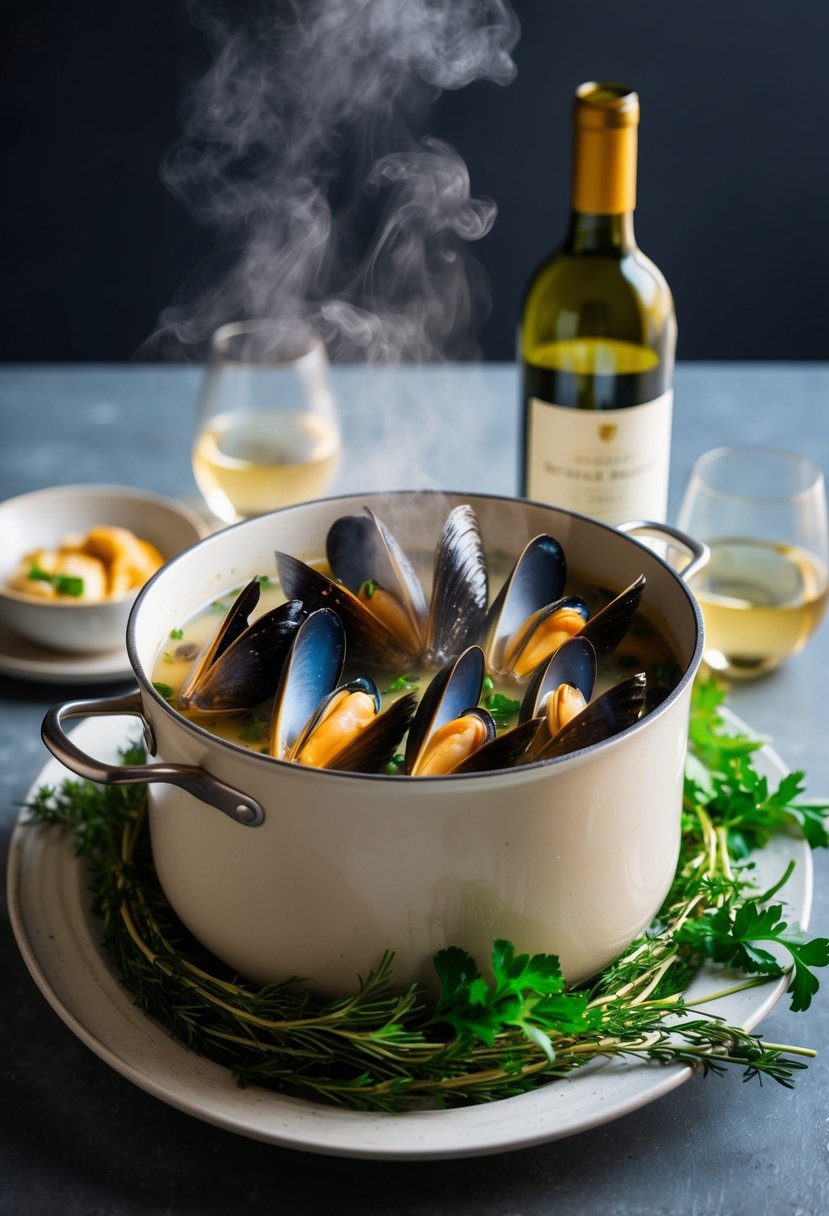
(60, 943)
(27, 661)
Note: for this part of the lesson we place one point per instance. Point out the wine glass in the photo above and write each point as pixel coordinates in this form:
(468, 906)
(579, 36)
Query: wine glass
(762, 511)
(267, 433)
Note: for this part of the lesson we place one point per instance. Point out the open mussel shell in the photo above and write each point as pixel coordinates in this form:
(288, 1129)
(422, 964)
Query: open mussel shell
(368, 637)
(323, 711)
(361, 549)
(324, 724)
(611, 713)
(543, 634)
(460, 588)
(573, 663)
(348, 732)
(234, 623)
(311, 671)
(606, 628)
(372, 748)
(455, 689)
(446, 749)
(536, 580)
(244, 672)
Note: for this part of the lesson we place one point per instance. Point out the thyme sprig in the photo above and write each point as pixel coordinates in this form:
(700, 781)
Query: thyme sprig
(485, 1037)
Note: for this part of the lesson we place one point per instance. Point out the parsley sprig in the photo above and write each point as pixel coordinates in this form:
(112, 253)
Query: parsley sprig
(485, 1036)
(735, 936)
(527, 993)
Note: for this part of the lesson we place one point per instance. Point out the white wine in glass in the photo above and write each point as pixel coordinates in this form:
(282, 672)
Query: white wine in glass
(763, 593)
(267, 434)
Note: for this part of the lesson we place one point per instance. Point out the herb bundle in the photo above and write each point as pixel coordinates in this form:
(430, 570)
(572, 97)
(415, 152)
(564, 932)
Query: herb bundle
(386, 1048)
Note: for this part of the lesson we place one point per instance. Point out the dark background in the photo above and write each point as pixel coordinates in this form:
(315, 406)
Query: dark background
(733, 182)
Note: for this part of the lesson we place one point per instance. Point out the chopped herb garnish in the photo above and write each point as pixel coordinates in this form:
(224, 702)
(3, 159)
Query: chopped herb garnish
(503, 709)
(176, 634)
(488, 684)
(395, 765)
(402, 682)
(64, 584)
(164, 690)
(369, 587)
(264, 580)
(254, 730)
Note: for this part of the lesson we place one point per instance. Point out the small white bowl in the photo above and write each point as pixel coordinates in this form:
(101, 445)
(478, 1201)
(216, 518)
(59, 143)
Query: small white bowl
(40, 520)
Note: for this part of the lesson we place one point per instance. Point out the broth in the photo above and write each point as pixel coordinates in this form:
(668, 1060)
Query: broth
(643, 649)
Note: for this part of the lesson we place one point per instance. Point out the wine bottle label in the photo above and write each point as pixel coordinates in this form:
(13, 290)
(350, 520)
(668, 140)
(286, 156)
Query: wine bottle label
(609, 464)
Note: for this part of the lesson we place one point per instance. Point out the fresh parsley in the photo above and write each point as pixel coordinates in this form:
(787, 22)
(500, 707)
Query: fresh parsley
(404, 683)
(255, 728)
(525, 994)
(503, 709)
(737, 936)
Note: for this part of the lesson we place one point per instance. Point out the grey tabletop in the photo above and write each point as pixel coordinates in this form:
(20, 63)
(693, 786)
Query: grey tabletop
(76, 1137)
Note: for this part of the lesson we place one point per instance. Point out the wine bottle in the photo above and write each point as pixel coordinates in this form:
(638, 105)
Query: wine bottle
(598, 335)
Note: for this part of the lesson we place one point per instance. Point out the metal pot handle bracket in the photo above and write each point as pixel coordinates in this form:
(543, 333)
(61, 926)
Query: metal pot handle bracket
(240, 807)
(699, 552)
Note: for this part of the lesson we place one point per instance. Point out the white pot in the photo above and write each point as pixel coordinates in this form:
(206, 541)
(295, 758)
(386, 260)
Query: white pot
(571, 857)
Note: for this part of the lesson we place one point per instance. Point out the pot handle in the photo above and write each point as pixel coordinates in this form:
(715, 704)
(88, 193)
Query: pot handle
(699, 552)
(240, 807)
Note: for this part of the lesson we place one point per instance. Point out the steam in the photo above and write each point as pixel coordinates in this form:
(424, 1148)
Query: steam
(301, 151)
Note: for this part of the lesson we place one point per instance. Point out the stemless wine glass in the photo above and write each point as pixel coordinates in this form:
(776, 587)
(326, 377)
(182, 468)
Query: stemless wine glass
(267, 433)
(762, 511)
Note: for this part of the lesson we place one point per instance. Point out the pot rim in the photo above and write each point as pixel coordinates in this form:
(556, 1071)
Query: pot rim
(582, 755)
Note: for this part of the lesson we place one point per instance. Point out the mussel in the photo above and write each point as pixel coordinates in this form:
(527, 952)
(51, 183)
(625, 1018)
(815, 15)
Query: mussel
(606, 628)
(557, 714)
(449, 724)
(531, 618)
(239, 666)
(452, 733)
(378, 595)
(323, 724)
(608, 715)
(561, 687)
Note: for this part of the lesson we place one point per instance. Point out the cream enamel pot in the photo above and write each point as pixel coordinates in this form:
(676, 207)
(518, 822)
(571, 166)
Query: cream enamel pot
(315, 873)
